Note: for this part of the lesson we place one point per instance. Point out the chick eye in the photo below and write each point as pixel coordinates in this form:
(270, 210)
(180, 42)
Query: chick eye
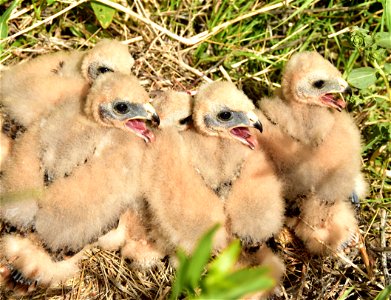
(102, 70)
(318, 84)
(121, 108)
(224, 115)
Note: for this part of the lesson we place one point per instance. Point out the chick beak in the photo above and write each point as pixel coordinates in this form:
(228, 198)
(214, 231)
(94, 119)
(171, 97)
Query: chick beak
(254, 121)
(138, 124)
(348, 90)
(243, 133)
(332, 100)
(152, 115)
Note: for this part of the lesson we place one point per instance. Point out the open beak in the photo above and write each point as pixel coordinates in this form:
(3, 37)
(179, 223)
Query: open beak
(332, 99)
(138, 124)
(243, 134)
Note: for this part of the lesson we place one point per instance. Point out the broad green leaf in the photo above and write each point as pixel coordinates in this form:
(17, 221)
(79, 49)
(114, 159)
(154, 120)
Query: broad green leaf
(362, 77)
(225, 260)
(4, 19)
(383, 39)
(239, 284)
(200, 257)
(50, 2)
(103, 13)
(384, 294)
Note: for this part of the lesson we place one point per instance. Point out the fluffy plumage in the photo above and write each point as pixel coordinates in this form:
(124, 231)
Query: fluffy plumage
(174, 109)
(85, 198)
(31, 88)
(32, 266)
(5, 144)
(315, 149)
(209, 174)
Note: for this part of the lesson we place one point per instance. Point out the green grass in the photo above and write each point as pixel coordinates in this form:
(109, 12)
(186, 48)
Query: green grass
(249, 44)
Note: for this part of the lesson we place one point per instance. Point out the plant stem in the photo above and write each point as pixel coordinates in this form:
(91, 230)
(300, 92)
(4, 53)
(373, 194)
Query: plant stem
(382, 74)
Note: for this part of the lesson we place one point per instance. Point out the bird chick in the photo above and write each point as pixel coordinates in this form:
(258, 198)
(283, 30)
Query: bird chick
(174, 109)
(42, 152)
(316, 150)
(32, 88)
(116, 101)
(210, 174)
(77, 208)
(131, 236)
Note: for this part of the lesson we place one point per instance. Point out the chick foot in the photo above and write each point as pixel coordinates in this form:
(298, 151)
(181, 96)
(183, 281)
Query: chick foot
(30, 265)
(142, 253)
(325, 228)
(13, 279)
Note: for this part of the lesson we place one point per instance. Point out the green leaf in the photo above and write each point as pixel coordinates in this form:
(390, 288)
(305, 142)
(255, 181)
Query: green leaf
(50, 2)
(384, 294)
(200, 257)
(346, 294)
(362, 77)
(179, 283)
(225, 260)
(383, 39)
(103, 13)
(387, 68)
(239, 284)
(4, 19)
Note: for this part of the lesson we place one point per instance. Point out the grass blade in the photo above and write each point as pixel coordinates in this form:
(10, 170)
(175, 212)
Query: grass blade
(5, 17)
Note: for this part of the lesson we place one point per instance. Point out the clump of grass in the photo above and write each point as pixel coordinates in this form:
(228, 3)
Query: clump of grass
(179, 44)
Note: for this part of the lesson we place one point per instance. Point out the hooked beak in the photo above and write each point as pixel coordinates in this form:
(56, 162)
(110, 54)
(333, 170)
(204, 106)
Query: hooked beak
(138, 126)
(152, 115)
(254, 121)
(348, 90)
(332, 100)
(243, 134)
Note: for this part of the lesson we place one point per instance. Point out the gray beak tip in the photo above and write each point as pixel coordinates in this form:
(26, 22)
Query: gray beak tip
(155, 120)
(258, 125)
(348, 90)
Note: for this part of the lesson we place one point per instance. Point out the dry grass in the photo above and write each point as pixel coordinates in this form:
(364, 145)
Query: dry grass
(248, 44)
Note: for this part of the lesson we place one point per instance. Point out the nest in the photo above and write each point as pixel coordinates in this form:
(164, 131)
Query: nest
(165, 61)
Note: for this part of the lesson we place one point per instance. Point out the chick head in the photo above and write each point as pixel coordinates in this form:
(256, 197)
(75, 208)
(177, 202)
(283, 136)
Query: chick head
(174, 109)
(220, 109)
(106, 56)
(118, 100)
(310, 79)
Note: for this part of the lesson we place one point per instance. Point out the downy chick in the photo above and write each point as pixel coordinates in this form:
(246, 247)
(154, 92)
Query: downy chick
(206, 176)
(32, 88)
(77, 209)
(131, 235)
(316, 151)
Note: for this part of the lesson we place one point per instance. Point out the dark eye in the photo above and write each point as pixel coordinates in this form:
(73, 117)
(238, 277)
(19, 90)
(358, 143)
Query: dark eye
(102, 70)
(121, 107)
(318, 84)
(224, 115)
